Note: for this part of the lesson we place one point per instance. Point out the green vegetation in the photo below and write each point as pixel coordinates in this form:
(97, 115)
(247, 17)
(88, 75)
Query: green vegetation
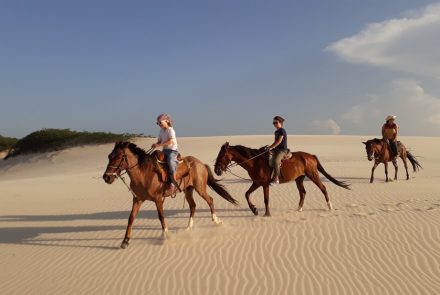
(47, 140)
(7, 142)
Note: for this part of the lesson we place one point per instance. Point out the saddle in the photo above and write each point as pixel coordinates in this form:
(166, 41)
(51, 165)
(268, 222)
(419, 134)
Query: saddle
(387, 146)
(287, 156)
(161, 166)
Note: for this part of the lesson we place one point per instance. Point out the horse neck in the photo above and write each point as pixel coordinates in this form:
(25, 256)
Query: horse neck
(243, 160)
(378, 149)
(134, 170)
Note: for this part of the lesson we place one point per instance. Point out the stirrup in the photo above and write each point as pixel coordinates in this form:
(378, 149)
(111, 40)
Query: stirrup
(174, 182)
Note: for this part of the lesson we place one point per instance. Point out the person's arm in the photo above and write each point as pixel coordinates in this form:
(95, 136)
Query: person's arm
(395, 133)
(276, 142)
(168, 142)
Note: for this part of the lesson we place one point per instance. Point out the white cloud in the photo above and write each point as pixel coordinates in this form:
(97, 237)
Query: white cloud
(417, 110)
(410, 44)
(326, 127)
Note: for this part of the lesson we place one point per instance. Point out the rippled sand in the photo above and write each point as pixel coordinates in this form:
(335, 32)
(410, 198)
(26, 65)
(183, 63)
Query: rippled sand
(61, 227)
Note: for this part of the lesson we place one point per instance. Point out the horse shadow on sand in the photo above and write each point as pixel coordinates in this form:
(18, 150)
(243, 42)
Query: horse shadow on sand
(31, 235)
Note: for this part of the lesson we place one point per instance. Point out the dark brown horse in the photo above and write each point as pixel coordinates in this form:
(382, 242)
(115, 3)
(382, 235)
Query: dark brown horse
(146, 182)
(256, 162)
(379, 150)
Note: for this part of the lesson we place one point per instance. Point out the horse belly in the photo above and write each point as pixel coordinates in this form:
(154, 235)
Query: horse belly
(290, 170)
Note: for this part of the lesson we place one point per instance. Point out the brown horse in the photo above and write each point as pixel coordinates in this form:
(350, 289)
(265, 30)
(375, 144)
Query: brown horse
(256, 162)
(146, 182)
(379, 150)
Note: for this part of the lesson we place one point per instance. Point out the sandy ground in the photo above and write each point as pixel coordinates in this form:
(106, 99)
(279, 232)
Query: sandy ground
(61, 227)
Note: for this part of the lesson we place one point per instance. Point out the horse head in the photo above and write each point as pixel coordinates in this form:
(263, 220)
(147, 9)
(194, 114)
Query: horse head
(117, 162)
(371, 147)
(223, 159)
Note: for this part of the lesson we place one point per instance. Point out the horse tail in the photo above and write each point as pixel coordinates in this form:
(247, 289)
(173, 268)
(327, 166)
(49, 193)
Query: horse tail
(219, 188)
(415, 164)
(331, 178)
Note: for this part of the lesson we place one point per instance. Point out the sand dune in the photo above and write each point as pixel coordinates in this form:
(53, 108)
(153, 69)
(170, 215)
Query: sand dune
(61, 227)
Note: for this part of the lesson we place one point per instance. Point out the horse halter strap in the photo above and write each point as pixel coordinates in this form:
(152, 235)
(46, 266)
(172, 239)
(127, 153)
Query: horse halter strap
(119, 167)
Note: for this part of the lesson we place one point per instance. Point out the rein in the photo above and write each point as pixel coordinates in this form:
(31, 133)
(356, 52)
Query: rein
(231, 165)
(118, 168)
(237, 164)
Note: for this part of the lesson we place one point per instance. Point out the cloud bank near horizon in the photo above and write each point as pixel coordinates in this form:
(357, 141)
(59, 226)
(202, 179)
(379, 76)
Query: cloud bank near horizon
(408, 44)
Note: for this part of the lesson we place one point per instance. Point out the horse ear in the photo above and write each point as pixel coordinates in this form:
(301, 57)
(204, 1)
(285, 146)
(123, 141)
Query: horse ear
(364, 142)
(226, 145)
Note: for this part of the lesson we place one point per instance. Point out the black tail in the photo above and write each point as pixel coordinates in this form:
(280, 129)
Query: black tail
(331, 178)
(415, 164)
(218, 188)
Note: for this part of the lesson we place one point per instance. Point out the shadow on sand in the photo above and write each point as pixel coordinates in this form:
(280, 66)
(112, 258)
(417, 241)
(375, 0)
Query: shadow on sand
(28, 235)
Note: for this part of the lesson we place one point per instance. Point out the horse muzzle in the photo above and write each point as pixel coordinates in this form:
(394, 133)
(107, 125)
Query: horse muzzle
(218, 170)
(109, 177)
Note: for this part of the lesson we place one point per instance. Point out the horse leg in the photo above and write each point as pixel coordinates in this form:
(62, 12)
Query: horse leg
(253, 187)
(159, 207)
(406, 166)
(386, 171)
(316, 180)
(192, 206)
(302, 192)
(134, 211)
(395, 169)
(266, 200)
(372, 171)
(204, 194)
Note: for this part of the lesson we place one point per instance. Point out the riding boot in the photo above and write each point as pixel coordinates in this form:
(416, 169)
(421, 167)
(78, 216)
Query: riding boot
(173, 181)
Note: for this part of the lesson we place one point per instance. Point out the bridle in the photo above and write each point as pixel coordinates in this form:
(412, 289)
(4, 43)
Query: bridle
(233, 164)
(371, 151)
(118, 169)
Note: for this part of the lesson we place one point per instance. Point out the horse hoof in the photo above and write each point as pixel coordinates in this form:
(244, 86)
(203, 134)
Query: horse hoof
(267, 215)
(254, 210)
(124, 245)
(300, 209)
(330, 206)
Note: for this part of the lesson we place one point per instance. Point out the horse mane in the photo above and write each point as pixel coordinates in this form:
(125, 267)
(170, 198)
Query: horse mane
(139, 152)
(247, 152)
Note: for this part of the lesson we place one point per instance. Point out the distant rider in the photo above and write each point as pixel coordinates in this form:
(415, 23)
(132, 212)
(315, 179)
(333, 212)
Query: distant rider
(389, 134)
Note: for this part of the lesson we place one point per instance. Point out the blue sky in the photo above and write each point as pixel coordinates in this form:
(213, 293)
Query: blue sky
(220, 67)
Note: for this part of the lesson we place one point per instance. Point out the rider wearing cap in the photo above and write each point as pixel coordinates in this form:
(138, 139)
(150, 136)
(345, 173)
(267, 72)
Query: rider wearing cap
(389, 134)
